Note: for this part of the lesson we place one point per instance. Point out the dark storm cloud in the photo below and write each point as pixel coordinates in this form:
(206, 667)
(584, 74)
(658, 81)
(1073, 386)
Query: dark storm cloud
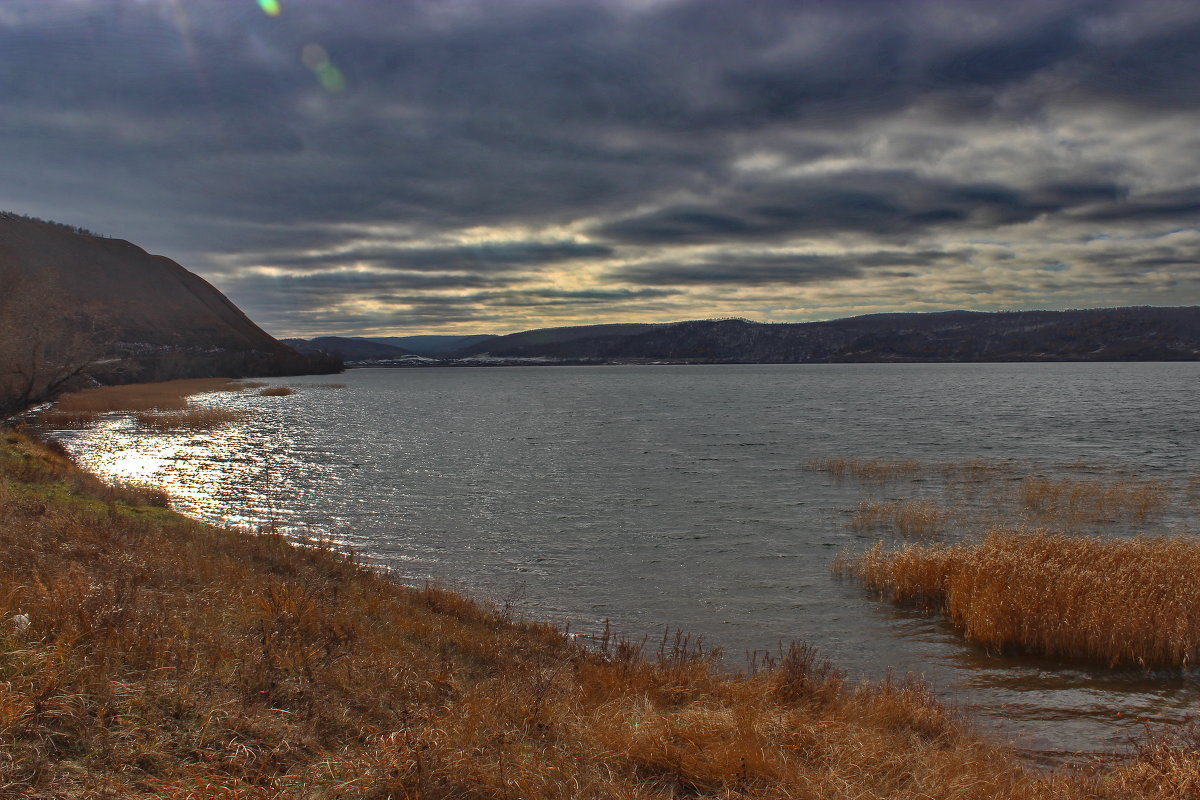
(1180, 205)
(274, 296)
(332, 289)
(883, 204)
(195, 130)
(1131, 262)
(314, 306)
(1155, 71)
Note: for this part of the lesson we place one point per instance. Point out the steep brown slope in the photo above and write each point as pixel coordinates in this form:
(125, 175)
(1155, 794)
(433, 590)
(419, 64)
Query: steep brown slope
(75, 307)
(139, 297)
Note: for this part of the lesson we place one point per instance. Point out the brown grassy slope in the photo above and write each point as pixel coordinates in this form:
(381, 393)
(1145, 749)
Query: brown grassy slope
(1116, 602)
(141, 297)
(163, 658)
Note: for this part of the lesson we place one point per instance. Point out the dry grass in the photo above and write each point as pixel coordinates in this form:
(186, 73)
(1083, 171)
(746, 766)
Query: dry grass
(277, 391)
(145, 655)
(1114, 602)
(913, 518)
(872, 470)
(1075, 501)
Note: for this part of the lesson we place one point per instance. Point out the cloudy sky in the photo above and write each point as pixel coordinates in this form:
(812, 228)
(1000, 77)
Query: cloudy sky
(391, 166)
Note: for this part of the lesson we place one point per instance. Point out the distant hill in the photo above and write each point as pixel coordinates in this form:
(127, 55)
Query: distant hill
(1142, 333)
(578, 341)
(432, 344)
(73, 302)
(1110, 334)
(348, 348)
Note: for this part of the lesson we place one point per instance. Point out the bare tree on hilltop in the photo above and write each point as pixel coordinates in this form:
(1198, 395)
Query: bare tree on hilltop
(46, 346)
(61, 225)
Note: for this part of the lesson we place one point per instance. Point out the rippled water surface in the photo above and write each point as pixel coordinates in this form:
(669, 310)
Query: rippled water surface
(685, 497)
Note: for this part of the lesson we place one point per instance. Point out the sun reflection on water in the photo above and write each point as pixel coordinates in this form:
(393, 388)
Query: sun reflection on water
(233, 474)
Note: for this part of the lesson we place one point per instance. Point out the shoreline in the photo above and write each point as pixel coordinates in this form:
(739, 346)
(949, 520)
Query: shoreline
(291, 646)
(873, 519)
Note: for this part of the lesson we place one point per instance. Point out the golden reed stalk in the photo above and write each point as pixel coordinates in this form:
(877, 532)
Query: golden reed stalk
(1118, 602)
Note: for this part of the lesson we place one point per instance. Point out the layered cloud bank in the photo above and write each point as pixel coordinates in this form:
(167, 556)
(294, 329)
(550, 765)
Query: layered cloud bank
(387, 167)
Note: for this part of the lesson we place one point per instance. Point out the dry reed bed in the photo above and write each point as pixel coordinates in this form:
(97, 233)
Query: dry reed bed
(188, 418)
(912, 518)
(53, 419)
(1116, 602)
(1079, 501)
(194, 418)
(163, 406)
(979, 494)
(886, 470)
(868, 470)
(277, 391)
(163, 658)
(163, 396)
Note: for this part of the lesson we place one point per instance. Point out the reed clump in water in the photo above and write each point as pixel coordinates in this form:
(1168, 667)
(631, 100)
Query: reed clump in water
(163, 396)
(978, 470)
(54, 419)
(911, 518)
(277, 391)
(1192, 489)
(163, 405)
(868, 470)
(1076, 501)
(145, 655)
(1116, 602)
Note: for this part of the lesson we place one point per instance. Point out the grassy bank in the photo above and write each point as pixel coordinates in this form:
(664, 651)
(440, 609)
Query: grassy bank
(143, 654)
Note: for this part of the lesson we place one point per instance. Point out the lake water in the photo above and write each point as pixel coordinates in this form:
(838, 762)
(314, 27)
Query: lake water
(654, 496)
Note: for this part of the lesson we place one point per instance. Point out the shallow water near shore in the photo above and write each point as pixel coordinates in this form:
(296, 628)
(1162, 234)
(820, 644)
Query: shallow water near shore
(686, 496)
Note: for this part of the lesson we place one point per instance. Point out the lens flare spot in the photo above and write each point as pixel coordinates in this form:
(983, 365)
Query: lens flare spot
(331, 78)
(270, 7)
(316, 58)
